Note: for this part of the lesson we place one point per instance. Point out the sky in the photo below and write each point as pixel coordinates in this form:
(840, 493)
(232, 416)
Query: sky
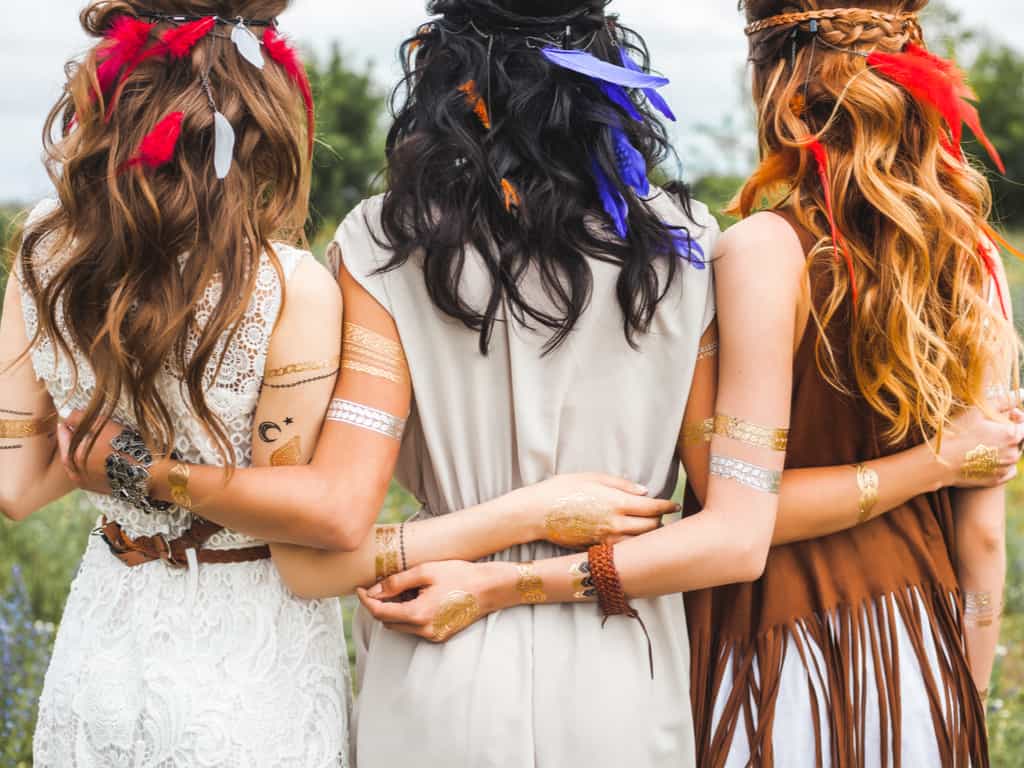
(698, 44)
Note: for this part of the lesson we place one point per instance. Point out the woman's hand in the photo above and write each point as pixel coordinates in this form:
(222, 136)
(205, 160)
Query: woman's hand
(979, 452)
(88, 471)
(449, 596)
(580, 510)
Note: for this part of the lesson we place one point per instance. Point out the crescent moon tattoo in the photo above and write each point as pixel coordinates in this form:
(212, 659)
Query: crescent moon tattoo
(266, 428)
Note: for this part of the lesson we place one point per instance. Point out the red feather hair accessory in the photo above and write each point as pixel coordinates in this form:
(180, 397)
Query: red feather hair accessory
(940, 83)
(820, 155)
(279, 49)
(158, 146)
(124, 45)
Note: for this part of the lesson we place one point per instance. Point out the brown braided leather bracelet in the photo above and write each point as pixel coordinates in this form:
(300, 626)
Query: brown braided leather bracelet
(610, 595)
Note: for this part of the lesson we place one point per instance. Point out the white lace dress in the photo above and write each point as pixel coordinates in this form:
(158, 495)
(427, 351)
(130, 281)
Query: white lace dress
(211, 667)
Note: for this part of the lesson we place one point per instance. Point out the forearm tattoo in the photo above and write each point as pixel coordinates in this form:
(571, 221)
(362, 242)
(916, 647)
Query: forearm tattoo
(270, 431)
(368, 352)
(698, 432)
(752, 434)
(529, 585)
(288, 455)
(310, 366)
(301, 382)
(582, 584)
(750, 475)
(365, 417)
(980, 610)
(178, 479)
(577, 521)
(867, 482)
(20, 429)
(707, 350)
(386, 560)
(457, 611)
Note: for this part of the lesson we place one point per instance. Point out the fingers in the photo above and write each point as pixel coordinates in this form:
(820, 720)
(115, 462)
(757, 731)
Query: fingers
(635, 526)
(391, 613)
(64, 445)
(393, 586)
(1008, 400)
(618, 483)
(650, 507)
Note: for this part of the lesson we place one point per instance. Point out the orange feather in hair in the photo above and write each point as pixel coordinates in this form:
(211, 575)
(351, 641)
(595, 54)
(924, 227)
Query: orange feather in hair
(940, 83)
(511, 195)
(476, 103)
(838, 243)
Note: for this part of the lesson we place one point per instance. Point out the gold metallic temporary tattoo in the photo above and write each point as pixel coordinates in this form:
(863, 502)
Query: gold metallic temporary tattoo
(457, 611)
(697, 432)
(368, 352)
(178, 479)
(867, 482)
(750, 475)
(582, 584)
(19, 429)
(751, 434)
(288, 455)
(707, 350)
(577, 521)
(330, 363)
(387, 551)
(365, 417)
(981, 463)
(980, 610)
(529, 585)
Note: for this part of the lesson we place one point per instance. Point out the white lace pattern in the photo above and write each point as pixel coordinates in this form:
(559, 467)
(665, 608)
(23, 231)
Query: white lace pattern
(218, 666)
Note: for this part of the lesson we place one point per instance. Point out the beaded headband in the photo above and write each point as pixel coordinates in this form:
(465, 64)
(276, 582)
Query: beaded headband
(909, 21)
(128, 43)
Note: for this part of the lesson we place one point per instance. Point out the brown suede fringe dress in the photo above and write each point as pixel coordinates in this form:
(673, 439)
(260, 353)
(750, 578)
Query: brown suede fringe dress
(832, 607)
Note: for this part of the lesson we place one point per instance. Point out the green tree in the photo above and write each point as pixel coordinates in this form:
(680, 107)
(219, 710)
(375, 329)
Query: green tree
(998, 77)
(350, 145)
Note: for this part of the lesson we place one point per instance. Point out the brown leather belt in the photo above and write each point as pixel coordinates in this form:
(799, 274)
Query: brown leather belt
(148, 549)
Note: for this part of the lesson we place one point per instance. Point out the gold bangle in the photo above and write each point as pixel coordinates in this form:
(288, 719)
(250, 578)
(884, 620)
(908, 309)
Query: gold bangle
(751, 434)
(981, 463)
(387, 551)
(368, 352)
(18, 429)
(178, 479)
(313, 365)
(867, 482)
(529, 585)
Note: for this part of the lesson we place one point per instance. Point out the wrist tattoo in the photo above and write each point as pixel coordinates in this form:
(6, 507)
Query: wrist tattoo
(981, 463)
(178, 479)
(15, 413)
(457, 611)
(11, 447)
(386, 561)
(309, 366)
(707, 350)
(577, 521)
(980, 610)
(289, 455)
(867, 482)
(752, 434)
(365, 417)
(698, 432)
(19, 429)
(368, 352)
(301, 382)
(582, 583)
(529, 585)
(750, 475)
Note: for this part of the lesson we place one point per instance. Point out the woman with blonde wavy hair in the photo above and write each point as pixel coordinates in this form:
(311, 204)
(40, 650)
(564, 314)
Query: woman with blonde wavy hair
(873, 645)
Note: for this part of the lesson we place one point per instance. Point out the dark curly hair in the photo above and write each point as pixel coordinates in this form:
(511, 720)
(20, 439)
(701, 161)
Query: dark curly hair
(548, 125)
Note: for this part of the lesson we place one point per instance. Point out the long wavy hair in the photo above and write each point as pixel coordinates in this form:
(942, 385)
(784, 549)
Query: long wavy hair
(122, 291)
(445, 169)
(924, 339)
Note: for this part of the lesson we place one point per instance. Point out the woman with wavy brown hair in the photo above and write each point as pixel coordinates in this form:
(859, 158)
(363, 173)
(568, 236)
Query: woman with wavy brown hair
(151, 291)
(870, 646)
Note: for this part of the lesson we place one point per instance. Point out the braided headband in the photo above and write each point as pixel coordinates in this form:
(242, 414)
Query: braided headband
(855, 15)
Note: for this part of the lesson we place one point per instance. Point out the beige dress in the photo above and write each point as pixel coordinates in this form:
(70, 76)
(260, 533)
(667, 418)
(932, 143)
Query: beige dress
(542, 686)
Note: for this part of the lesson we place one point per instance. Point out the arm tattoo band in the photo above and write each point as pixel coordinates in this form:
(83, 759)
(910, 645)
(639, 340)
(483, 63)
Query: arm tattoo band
(368, 352)
(867, 482)
(178, 479)
(364, 417)
(386, 537)
(979, 610)
(530, 586)
(582, 584)
(312, 365)
(300, 382)
(19, 429)
(751, 434)
(697, 432)
(750, 475)
(707, 350)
